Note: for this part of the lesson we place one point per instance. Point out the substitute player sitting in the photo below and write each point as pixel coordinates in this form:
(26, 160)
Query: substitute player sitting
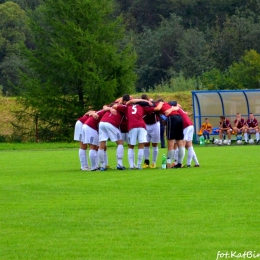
(251, 128)
(206, 129)
(224, 128)
(239, 126)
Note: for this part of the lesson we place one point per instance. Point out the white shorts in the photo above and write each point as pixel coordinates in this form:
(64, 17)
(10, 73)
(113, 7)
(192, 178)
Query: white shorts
(188, 133)
(108, 131)
(137, 135)
(78, 131)
(125, 137)
(153, 133)
(90, 135)
(226, 131)
(251, 131)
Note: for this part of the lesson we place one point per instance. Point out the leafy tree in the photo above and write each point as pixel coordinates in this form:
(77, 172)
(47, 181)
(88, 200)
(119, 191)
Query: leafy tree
(251, 10)
(25, 4)
(79, 62)
(171, 51)
(141, 14)
(213, 80)
(157, 52)
(13, 32)
(9, 74)
(193, 54)
(212, 34)
(228, 45)
(203, 14)
(246, 72)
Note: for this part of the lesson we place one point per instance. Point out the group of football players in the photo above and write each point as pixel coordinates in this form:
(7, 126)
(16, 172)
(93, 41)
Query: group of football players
(135, 122)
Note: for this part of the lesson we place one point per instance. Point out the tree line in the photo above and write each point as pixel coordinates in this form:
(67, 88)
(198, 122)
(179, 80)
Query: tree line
(62, 57)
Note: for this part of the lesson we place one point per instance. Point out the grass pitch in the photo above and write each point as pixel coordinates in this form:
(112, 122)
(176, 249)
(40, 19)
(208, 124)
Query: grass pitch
(51, 210)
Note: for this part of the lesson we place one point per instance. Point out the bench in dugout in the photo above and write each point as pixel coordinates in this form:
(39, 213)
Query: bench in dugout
(215, 132)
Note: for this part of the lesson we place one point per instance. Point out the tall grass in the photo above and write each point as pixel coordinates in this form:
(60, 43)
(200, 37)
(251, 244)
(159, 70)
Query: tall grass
(51, 210)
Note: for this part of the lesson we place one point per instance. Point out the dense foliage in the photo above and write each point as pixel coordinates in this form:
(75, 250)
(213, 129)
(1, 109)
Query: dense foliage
(171, 38)
(79, 62)
(79, 49)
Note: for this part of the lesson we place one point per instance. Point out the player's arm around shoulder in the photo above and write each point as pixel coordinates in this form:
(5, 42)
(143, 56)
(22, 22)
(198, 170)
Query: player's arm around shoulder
(159, 106)
(168, 111)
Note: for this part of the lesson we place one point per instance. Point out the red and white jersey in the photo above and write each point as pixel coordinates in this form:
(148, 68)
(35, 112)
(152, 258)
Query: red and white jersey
(185, 118)
(252, 123)
(241, 123)
(92, 122)
(225, 124)
(114, 120)
(83, 118)
(135, 114)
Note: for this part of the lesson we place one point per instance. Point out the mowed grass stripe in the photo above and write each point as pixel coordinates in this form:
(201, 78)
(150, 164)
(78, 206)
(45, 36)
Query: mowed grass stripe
(52, 210)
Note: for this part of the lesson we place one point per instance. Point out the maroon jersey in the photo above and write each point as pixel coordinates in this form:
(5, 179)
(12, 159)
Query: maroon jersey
(165, 107)
(92, 122)
(123, 125)
(226, 124)
(135, 114)
(252, 123)
(114, 120)
(241, 123)
(151, 119)
(185, 118)
(83, 119)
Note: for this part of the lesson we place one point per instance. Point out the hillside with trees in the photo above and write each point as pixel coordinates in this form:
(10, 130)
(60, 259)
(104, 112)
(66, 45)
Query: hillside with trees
(61, 57)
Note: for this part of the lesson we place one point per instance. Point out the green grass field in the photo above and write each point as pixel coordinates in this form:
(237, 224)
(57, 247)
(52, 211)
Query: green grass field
(51, 210)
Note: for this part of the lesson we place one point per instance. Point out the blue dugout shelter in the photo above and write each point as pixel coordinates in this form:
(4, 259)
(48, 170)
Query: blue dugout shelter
(213, 104)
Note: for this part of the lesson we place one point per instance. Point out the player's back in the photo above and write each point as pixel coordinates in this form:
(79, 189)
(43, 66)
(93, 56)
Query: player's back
(185, 118)
(115, 120)
(135, 114)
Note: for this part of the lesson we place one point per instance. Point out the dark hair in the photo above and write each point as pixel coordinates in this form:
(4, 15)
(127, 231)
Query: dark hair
(144, 96)
(126, 97)
(222, 117)
(172, 103)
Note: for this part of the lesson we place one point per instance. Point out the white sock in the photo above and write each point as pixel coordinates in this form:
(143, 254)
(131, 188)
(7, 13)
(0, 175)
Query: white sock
(92, 157)
(131, 158)
(257, 136)
(190, 155)
(140, 157)
(181, 154)
(194, 157)
(146, 153)
(101, 157)
(170, 154)
(83, 158)
(176, 154)
(86, 159)
(120, 154)
(246, 137)
(106, 158)
(155, 154)
(96, 159)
